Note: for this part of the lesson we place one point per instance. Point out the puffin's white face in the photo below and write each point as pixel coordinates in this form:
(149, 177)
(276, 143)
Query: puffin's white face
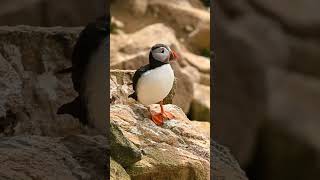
(161, 54)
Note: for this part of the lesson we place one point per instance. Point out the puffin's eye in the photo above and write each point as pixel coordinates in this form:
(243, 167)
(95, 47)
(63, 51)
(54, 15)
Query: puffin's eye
(162, 51)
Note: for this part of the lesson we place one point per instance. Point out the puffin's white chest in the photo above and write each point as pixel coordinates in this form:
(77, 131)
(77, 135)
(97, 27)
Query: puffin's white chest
(95, 90)
(154, 85)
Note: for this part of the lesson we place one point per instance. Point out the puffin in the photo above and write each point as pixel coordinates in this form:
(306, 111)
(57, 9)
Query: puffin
(89, 66)
(154, 81)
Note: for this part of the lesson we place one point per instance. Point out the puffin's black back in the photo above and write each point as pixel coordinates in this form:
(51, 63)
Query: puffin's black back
(88, 41)
(152, 65)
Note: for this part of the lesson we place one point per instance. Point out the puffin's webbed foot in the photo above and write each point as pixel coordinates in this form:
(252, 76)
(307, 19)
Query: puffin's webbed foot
(158, 118)
(168, 115)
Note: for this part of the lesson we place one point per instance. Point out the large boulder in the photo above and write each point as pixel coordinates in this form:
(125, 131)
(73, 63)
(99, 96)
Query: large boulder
(73, 157)
(10, 89)
(224, 165)
(122, 150)
(190, 20)
(200, 106)
(127, 51)
(180, 149)
(199, 62)
(32, 56)
(117, 172)
(164, 148)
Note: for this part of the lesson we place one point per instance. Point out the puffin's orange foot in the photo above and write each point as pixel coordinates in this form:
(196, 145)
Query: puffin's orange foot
(168, 115)
(157, 118)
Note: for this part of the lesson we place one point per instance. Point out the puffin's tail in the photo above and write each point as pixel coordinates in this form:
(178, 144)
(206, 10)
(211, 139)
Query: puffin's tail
(71, 108)
(134, 96)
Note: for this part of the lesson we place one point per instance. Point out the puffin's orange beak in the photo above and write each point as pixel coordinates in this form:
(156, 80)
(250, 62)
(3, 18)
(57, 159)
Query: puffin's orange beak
(174, 55)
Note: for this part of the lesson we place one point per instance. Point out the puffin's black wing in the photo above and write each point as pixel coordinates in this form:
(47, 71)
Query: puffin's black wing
(135, 79)
(88, 42)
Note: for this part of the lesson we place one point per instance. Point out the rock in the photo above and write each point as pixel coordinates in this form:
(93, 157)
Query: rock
(205, 79)
(197, 4)
(189, 28)
(138, 7)
(183, 13)
(120, 86)
(38, 91)
(199, 62)
(180, 149)
(199, 39)
(91, 152)
(24, 157)
(224, 165)
(204, 127)
(117, 172)
(180, 15)
(192, 73)
(184, 91)
(177, 150)
(10, 88)
(127, 51)
(122, 150)
(158, 164)
(117, 23)
(200, 106)
(160, 144)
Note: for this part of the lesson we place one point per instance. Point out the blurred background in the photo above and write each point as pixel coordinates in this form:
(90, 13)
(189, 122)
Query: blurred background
(268, 86)
(49, 12)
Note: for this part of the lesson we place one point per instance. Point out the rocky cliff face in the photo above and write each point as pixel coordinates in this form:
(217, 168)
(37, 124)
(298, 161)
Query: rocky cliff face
(269, 52)
(180, 149)
(35, 142)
